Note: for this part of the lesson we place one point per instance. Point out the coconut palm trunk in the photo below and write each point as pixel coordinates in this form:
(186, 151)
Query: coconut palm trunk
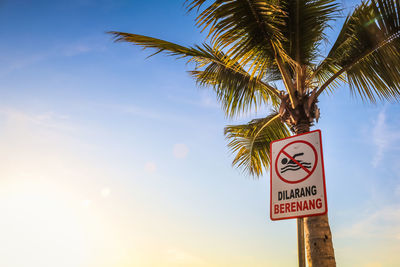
(319, 245)
(317, 232)
(252, 44)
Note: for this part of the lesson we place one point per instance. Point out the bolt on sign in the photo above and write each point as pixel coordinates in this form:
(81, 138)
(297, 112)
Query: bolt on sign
(297, 177)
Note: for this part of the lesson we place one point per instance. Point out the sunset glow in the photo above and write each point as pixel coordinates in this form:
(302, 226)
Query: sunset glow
(110, 159)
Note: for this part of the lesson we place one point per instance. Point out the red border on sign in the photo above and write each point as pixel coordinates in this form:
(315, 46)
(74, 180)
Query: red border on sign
(309, 172)
(323, 180)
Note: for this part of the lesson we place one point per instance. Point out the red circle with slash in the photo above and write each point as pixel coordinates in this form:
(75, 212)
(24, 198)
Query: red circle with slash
(307, 173)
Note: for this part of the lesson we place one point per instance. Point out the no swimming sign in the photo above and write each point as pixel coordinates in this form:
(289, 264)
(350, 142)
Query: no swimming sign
(297, 177)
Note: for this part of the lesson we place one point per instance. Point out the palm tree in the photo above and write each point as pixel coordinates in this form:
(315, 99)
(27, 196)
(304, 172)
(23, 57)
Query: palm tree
(268, 52)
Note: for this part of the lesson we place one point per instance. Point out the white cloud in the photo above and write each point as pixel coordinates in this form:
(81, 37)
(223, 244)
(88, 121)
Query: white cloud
(16, 61)
(44, 120)
(76, 49)
(383, 137)
(384, 223)
(81, 46)
(205, 99)
(149, 113)
(139, 111)
(20, 63)
(180, 151)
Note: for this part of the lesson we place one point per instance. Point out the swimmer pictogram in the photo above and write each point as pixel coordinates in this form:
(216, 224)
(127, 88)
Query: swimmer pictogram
(291, 165)
(296, 161)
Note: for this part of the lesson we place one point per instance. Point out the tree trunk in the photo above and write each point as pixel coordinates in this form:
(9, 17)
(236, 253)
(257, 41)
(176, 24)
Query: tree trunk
(318, 237)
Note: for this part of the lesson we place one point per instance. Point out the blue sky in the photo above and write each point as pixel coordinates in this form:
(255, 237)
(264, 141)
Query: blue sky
(112, 159)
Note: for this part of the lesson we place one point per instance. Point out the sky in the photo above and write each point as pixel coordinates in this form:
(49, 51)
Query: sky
(112, 159)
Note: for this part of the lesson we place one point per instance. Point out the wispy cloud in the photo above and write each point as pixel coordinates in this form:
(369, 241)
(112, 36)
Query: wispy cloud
(384, 137)
(384, 223)
(16, 62)
(150, 113)
(44, 120)
(76, 49)
(82, 46)
(206, 99)
(139, 111)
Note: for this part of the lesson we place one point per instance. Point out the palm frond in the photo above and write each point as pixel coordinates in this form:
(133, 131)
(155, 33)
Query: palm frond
(366, 52)
(237, 90)
(305, 25)
(251, 142)
(159, 45)
(248, 29)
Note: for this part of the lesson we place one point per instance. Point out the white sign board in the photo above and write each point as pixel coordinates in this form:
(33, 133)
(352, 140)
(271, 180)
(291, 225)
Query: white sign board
(297, 177)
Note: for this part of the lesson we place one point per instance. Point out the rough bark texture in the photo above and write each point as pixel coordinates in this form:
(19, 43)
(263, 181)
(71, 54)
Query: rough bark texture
(319, 244)
(318, 237)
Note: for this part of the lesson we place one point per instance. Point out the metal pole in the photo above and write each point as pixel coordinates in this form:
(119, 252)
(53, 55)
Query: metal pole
(300, 242)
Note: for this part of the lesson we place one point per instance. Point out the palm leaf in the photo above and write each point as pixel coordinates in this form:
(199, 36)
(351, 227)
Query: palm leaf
(159, 45)
(366, 52)
(236, 89)
(249, 29)
(305, 23)
(251, 142)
